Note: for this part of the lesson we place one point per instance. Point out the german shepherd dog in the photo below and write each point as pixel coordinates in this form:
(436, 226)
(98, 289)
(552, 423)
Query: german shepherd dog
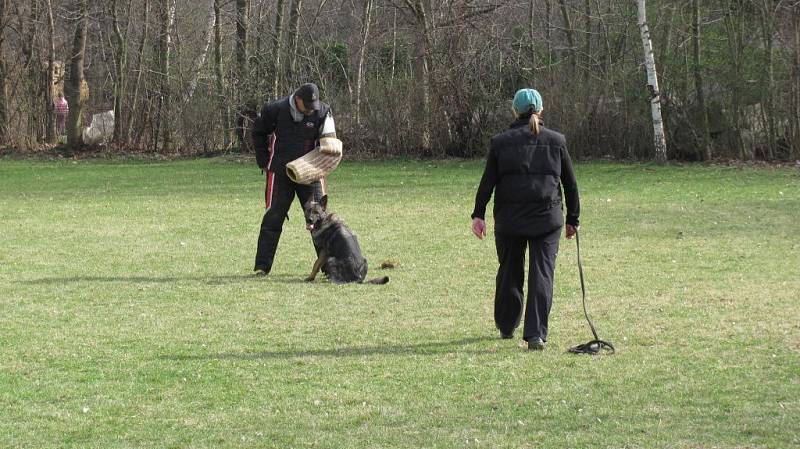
(340, 256)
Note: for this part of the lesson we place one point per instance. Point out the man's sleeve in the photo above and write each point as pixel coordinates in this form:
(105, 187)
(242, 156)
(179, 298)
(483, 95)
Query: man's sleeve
(570, 184)
(263, 126)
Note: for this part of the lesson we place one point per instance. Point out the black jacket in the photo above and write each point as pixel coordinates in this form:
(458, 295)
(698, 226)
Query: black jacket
(291, 139)
(526, 173)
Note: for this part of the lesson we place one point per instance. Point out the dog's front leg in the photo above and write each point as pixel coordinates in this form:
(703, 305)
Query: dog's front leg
(317, 266)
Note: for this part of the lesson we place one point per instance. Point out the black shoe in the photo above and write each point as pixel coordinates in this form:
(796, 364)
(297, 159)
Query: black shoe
(506, 336)
(536, 345)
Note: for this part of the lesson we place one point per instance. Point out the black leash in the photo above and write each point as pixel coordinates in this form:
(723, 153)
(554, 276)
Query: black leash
(595, 346)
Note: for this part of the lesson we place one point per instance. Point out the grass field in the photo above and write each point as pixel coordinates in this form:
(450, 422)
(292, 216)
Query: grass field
(129, 319)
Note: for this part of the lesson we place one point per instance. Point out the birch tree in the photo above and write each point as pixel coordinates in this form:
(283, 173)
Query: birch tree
(652, 86)
(200, 60)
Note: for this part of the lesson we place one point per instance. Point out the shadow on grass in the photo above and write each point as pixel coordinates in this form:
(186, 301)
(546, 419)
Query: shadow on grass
(432, 348)
(282, 278)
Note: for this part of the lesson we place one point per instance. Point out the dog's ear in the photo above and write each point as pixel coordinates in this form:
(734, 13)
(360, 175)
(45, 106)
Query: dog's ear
(324, 202)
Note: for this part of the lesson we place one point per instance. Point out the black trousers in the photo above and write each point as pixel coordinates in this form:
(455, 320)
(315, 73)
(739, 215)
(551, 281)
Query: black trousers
(508, 296)
(279, 193)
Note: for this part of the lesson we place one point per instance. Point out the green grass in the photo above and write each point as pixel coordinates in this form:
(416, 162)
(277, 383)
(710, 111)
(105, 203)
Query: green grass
(128, 318)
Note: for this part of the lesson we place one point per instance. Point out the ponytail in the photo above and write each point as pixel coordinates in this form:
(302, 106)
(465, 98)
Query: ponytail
(534, 122)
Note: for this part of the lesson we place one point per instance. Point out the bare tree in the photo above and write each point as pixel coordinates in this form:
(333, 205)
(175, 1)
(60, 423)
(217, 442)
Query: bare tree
(242, 92)
(50, 124)
(164, 122)
(74, 86)
(294, 33)
(569, 32)
(120, 40)
(278, 50)
(4, 75)
(705, 144)
(794, 109)
(139, 71)
(652, 86)
(422, 65)
(219, 74)
(767, 12)
(200, 60)
(365, 19)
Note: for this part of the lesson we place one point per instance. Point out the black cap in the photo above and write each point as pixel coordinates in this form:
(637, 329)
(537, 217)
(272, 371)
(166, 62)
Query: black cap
(309, 93)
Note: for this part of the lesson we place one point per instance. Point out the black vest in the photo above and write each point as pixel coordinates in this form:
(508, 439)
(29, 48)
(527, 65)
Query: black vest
(294, 139)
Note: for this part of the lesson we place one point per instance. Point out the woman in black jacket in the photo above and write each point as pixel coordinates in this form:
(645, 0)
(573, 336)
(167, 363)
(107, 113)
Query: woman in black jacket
(526, 168)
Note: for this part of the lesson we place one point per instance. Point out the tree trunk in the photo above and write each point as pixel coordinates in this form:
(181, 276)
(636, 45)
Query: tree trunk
(220, 80)
(277, 56)
(652, 86)
(211, 22)
(570, 34)
(588, 32)
(548, 12)
(33, 69)
(666, 39)
(50, 122)
(795, 115)
(75, 80)
(365, 19)
(4, 131)
(294, 34)
(532, 25)
(705, 145)
(423, 66)
(734, 25)
(128, 127)
(394, 48)
(243, 71)
(120, 65)
(768, 30)
(165, 43)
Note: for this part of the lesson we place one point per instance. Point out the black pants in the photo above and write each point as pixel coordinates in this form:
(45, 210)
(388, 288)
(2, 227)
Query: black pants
(508, 297)
(279, 193)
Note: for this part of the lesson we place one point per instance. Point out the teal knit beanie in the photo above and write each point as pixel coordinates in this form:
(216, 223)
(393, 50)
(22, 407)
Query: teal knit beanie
(527, 99)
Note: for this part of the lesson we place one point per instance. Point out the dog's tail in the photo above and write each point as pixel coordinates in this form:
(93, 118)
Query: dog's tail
(379, 281)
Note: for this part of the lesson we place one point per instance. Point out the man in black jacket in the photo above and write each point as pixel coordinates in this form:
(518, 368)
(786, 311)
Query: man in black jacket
(285, 130)
(526, 167)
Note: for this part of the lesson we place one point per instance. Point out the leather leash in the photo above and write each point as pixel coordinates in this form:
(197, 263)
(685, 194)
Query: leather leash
(597, 345)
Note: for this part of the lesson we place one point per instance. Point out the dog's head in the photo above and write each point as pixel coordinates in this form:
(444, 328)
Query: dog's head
(316, 212)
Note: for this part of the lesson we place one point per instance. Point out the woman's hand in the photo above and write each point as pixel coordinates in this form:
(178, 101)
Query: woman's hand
(479, 228)
(571, 231)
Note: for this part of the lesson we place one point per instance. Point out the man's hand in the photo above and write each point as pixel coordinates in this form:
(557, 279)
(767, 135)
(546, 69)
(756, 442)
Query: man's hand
(571, 231)
(479, 227)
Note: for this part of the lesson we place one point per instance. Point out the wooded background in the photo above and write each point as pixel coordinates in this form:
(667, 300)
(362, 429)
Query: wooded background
(422, 78)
